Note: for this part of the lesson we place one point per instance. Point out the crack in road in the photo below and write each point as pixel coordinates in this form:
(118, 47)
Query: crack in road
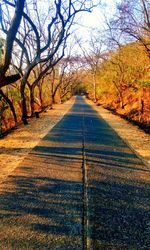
(86, 238)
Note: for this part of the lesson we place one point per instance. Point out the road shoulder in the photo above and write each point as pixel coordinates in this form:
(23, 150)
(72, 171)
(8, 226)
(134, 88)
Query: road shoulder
(17, 144)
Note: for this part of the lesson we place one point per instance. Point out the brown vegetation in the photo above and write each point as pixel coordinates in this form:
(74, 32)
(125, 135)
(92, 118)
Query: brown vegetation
(123, 83)
(136, 108)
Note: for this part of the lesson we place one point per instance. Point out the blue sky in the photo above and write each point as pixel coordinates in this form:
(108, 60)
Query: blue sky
(95, 20)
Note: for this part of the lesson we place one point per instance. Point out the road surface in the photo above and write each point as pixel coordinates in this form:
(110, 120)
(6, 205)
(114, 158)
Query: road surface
(81, 187)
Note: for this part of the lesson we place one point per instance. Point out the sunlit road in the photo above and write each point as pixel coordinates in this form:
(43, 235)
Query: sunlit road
(80, 188)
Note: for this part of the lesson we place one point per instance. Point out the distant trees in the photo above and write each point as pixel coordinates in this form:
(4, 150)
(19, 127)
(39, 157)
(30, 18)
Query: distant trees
(122, 79)
(117, 66)
(93, 60)
(65, 78)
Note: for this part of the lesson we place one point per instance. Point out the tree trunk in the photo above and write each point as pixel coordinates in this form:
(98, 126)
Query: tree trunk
(10, 103)
(24, 111)
(23, 102)
(40, 94)
(52, 88)
(10, 38)
(60, 96)
(141, 105)
(121, 100)
(32, 100)
(53, 98)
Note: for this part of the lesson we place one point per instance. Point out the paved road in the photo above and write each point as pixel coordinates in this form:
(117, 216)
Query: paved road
(80, 188)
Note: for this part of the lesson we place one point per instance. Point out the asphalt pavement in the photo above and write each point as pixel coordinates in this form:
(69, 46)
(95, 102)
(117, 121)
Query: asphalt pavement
(81, 187)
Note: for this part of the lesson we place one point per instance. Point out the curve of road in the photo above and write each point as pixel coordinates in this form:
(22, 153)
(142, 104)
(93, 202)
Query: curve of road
(81, 187)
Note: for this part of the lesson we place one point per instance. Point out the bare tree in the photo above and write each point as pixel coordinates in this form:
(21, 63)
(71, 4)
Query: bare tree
(132, 22)
(93, 59)
(70, 77)
(41, 39)
(8, 47)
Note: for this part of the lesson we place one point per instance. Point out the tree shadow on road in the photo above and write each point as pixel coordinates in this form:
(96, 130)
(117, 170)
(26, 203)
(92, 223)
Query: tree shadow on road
(119, 213)
(41, 203)
(41, 213)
